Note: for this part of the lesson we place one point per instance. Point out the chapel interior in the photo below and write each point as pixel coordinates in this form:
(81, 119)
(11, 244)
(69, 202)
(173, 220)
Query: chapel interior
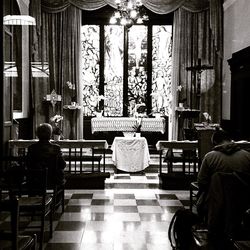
(131, 103)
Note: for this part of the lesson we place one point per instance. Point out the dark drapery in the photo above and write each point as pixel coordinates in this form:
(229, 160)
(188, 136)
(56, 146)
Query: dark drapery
(193, 39)
(157, 6)
(56, 40)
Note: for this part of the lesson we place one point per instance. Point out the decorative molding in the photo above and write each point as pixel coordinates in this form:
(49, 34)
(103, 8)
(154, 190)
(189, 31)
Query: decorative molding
(228, 3)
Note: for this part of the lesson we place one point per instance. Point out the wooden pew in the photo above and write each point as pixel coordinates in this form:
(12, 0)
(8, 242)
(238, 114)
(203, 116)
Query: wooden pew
(170, 180)
(75, 153)
(181, 147)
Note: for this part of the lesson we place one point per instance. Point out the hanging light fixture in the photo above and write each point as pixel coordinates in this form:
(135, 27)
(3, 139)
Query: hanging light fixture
(128, 12)
(19, 20)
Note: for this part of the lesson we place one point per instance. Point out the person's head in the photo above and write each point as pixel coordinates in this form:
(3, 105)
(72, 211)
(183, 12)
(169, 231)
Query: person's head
(44, 131)
(220, 137)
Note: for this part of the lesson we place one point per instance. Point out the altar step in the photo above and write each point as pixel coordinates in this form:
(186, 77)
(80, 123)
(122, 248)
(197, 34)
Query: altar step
(152, 168)
(148, 178)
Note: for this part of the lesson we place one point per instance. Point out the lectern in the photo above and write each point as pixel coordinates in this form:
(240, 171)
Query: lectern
(204, 133)
(186, 119)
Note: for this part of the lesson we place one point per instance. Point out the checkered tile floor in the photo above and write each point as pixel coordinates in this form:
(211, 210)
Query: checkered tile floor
(131, 213)
(116, 219)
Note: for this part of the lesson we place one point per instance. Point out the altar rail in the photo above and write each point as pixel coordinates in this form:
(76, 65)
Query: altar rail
(127, 124)
(75, 152)
(187, 153)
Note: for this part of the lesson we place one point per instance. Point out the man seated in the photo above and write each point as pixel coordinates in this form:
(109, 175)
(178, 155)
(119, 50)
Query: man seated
(44, 154)
(226, 157)
(219, 189)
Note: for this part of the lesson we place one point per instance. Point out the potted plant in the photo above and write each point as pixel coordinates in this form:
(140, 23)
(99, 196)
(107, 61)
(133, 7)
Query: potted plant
(72, 88)
(56, 132)
(137, 127)
(207, 118)
(98, 110)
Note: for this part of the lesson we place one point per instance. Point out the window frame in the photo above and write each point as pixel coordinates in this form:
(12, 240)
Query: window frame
(101, 17)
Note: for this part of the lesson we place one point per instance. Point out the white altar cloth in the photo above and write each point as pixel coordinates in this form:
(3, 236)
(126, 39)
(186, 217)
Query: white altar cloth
(125, 124)
(130, 154)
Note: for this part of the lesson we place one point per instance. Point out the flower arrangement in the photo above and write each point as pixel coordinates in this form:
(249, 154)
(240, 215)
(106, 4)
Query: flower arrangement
(98, 99)
(55, 124)
(207, 117)
(72, 88)
(137, 126)
(181, 96)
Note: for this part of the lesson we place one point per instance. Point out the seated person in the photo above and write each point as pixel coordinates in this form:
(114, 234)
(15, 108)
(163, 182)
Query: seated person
(225, 158)
(44, 154)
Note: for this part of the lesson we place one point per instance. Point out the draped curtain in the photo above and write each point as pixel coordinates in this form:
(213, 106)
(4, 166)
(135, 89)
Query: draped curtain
(56, 38)
(56, 41)
(193, 39)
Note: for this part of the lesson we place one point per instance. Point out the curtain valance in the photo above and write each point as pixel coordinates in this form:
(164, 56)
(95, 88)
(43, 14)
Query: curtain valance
(156, 6)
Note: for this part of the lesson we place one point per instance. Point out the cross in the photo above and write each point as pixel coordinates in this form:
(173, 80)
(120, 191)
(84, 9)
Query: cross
(53, 97)
(197, 68)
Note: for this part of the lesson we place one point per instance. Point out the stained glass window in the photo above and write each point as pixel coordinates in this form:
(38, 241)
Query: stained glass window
(137, 66)
(161, 68)
(90, 63)
(113, 62)
(113, 70)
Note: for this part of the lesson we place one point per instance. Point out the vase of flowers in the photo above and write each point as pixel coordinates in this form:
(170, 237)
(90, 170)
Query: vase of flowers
(208, 119)
(137, 127)
(72, 88)
(98, 110)
(56, 132)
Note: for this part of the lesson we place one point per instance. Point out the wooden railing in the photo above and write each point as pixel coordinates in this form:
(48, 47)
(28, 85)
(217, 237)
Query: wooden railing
(187, 150)
(75, 153)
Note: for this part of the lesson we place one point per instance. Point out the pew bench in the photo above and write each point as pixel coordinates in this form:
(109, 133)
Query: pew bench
(185, 152)
(85, 161)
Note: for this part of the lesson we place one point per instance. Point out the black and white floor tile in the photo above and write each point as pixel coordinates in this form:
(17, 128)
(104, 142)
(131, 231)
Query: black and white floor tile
(131, 213)
(116, 219)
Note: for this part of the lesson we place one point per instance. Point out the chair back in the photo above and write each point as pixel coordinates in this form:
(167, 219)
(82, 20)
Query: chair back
(12, 207)
(13, 169)
(50, 163)
(36, 181)
(228, 199)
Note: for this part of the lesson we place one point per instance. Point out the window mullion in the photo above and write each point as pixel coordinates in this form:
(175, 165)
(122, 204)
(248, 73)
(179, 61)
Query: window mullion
(125, 73)
(101, 83)
(149, 70)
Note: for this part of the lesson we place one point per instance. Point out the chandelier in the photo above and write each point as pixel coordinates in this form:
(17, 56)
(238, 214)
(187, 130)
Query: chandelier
(129, 12)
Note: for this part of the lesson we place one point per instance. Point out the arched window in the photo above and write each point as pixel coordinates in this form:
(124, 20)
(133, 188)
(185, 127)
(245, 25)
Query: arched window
(122, 67)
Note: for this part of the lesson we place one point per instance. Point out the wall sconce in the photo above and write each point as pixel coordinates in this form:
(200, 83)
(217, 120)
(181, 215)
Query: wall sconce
(19, 20)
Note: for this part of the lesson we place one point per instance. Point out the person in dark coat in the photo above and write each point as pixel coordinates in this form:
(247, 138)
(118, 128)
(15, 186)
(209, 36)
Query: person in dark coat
(221, 200)
(45, 154)
(226, 157)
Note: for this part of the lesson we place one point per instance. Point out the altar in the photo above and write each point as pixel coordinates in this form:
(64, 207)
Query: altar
(127, 124)
(130, 154)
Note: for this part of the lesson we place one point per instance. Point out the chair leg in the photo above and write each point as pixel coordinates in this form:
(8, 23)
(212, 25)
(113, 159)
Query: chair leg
(42, 232)
(191, 199)
(35, 242)
(63, 201)
(51, 223)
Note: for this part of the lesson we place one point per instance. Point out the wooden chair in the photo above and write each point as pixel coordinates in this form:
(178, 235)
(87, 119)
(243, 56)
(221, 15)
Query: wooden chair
(35, 201)
(55, 184)
(228, 202)
(194, 188)
(10, 239)
(12, 175)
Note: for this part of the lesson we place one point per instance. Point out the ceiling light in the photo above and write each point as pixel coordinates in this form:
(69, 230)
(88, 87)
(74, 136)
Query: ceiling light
(129, 12)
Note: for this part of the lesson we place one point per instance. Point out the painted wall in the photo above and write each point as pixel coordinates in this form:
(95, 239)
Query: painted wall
(236, 37)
